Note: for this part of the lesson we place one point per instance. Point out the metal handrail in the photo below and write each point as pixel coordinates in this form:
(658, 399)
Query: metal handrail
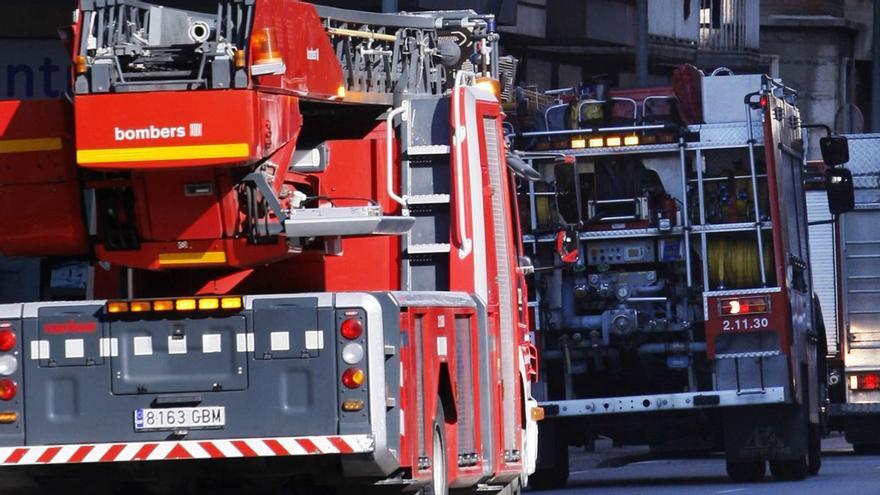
(466, 245)
(389, 153)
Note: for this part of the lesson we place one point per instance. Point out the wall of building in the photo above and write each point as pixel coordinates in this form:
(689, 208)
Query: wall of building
(818, 63)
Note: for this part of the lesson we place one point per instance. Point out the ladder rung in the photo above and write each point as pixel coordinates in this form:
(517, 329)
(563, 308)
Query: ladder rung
(438, 248)
(428, 149)
(428, 199)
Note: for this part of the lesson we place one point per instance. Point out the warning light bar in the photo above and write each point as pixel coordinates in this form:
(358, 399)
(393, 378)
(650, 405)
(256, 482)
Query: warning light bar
(605, 142)
(187, 304)
(735, 306)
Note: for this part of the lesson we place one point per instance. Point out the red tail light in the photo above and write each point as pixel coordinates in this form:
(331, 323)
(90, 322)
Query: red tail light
(764, 101)
(745, 305)
(353, 377)
(7, 340)
(869, 381)
(8, 389)
(352, 329)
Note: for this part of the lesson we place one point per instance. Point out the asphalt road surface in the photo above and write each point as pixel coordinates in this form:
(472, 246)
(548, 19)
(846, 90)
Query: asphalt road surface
(842, 473)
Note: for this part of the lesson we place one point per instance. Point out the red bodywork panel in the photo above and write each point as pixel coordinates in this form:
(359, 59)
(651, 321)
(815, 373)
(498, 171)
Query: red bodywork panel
(775, 320)
(168, 129)
(40, 198)
(311, 67)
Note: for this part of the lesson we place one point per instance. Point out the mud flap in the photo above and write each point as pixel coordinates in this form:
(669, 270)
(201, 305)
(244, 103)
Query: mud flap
(773, 433)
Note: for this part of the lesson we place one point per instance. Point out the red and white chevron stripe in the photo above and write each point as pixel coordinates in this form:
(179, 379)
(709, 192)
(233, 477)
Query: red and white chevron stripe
(188, 449)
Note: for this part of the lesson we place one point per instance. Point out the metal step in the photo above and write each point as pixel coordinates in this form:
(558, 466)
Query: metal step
(438, 248)
(428, 199)
(428, 149)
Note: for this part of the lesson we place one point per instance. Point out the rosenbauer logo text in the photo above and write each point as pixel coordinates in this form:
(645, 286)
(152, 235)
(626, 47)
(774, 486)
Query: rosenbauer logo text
(154, 132)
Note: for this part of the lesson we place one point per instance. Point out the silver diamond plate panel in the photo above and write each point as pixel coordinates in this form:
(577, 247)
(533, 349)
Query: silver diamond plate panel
(726, 135)
(864, 160)
(741, 292)
(742, 355)
(729, 227)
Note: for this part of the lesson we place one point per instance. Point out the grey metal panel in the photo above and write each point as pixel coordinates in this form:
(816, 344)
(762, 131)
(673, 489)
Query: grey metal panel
(324, 299)
(823, 265)
(382, 319)
(73, 404)
(10, 311)
(861, 276)
(488, 407)
(177, 363)
(464, 368)
(72, 334)
(506, 307)
(32, 310)
(291, 317)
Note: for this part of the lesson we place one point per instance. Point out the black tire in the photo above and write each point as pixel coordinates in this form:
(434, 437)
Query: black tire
(439, 484)
(746, 471)
(552, 442)
(790, 470)
(814, 453)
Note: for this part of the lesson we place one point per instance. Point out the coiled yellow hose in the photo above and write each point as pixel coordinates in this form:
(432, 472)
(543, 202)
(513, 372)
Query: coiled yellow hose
(734, 264)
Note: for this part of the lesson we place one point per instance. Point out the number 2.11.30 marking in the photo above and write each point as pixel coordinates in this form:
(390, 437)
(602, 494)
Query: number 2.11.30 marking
(745, 324)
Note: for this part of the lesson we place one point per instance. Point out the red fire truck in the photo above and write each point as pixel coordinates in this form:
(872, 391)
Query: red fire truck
(672, 285)
(304, 252)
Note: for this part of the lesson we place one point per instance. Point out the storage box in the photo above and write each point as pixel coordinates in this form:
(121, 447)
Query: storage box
(723, 98)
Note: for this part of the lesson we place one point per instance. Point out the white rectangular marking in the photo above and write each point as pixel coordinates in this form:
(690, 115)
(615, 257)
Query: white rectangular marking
(176, 346)
(441, 346)
(143, 346)
(212, 342)
(314, 339)
(40, 349)
(109, 347)
(244, 342)
(279, 341)
(74, 348)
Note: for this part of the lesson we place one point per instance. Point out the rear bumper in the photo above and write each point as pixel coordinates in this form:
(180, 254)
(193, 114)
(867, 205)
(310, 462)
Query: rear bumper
(664, 402)
(190, 449)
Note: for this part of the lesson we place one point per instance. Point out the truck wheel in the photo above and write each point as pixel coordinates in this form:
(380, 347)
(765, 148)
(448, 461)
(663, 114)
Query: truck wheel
(746, 471)
(439, 483)
(551, 445)
(815, 449)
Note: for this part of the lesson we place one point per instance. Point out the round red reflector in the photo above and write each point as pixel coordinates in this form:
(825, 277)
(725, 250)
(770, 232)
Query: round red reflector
(7, 340)
(8, 389)
(353, 377)
(352, 328)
